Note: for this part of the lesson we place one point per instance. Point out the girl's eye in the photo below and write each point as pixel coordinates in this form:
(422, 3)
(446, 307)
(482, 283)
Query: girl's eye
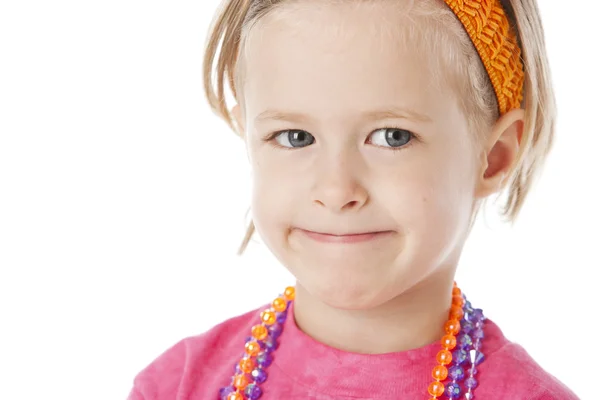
(391, 137)
(294, 138)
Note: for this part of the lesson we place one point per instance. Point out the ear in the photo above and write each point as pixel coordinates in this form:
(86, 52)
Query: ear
(500, 153)
(236, 111)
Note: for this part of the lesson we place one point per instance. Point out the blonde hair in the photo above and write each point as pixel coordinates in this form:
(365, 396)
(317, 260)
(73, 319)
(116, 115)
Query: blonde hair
(235, 18)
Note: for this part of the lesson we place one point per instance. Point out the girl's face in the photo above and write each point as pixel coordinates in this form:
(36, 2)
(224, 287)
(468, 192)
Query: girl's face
(347, 134)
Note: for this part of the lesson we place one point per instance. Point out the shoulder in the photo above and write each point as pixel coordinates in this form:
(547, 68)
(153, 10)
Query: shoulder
(514, 373)
(178, 368)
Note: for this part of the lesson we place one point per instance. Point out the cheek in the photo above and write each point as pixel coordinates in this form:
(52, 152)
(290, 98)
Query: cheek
(434, 195)
(273, 198)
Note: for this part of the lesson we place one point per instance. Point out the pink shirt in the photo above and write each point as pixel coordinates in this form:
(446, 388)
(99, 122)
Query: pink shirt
(197, 367)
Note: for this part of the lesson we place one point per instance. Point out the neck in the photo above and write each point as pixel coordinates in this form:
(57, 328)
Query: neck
(411, 320)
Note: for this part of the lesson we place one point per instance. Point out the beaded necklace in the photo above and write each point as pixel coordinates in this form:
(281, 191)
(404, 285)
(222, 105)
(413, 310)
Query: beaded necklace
(464, 335)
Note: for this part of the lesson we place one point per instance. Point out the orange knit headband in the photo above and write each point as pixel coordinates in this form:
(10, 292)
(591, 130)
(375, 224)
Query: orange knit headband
(488, 26)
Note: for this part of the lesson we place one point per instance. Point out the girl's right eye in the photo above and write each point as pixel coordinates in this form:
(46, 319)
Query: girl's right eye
(294, 138)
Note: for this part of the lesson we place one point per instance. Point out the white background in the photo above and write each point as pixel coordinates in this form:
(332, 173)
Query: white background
(123, 200)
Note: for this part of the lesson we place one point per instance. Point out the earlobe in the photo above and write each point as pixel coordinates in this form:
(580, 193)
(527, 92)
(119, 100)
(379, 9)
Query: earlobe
(236, 111)
(501, 152)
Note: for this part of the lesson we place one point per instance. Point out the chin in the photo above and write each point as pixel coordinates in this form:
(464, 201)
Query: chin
(346, 293)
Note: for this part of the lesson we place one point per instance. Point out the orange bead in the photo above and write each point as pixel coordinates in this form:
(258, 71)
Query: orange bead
(458, 301)
(444, 357)
(235, 396)
(436, 389)
(279, 304)
(290, 293)
(456, 291)
(252, 348)
(449, 342)
(247, 365)
(268, 317)
(440, 373)
(456, 312)
(452, 327)
(259, 332)
(241, 381)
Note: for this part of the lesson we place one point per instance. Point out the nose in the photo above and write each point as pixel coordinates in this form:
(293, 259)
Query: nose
(337, 187)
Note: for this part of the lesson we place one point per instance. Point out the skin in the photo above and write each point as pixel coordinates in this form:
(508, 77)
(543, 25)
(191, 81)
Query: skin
(389, 291)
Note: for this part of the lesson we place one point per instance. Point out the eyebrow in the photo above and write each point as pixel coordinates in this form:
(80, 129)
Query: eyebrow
(389, 112)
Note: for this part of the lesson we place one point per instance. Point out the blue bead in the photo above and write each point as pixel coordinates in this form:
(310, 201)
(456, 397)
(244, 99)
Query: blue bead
(264, 359)
(456, 373)
(468, 307)
(270, 344)
(477, 315)
(252, 391)
(453, 390)
(465, 341)
(476, 357)
(466, 326)
(275, 330)
(459, 356)
(471, 382)
(478, 334)
(224, 392)
(281, 317)
(259, 375)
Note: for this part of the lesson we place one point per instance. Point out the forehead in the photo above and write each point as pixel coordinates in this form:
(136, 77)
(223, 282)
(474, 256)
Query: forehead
(344, 56)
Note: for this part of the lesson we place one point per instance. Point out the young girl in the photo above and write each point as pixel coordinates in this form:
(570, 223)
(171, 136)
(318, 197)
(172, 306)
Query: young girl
(375, 130)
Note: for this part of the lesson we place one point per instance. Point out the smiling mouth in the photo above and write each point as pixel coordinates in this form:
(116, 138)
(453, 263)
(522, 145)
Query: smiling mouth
(345, 238)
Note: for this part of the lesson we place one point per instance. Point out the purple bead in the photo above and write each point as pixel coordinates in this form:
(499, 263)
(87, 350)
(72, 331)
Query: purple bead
(478, 334)
(264, 359)
(465, 341)
(468, 307)
(453, 390)
(249, 339)
(471, 383)
(275, 330)
(224, 392)
(459, 356)
(476, 357)
(468, 344)
(477, 315)
(270, 344)
(259, 375)
(252, 391)
(466, 326)
(456, 373)
(281, 317)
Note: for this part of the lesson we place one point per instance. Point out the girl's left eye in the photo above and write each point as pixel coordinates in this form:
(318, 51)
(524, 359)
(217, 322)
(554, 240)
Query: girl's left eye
(391, 137)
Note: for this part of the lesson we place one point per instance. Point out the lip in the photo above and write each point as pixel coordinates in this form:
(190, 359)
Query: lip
(349, 238)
